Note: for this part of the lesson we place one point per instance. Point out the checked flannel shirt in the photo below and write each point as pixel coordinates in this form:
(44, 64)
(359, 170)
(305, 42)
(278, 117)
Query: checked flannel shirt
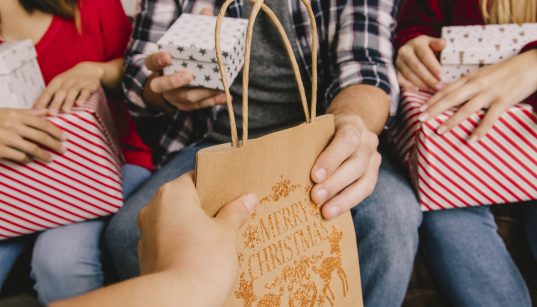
(355, 47)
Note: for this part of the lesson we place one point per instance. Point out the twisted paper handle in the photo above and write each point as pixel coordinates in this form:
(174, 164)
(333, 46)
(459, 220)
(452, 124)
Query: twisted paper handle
(258, 4)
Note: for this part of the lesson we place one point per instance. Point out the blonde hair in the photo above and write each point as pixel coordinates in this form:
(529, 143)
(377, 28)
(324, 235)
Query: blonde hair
(509, 11)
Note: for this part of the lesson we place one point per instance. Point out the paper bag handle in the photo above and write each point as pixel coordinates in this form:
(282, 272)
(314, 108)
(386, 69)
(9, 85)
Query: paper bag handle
(258, 4)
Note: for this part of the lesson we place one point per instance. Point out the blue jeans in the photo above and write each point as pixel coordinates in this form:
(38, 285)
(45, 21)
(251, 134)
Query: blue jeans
(122, 234)
(66, 261)
(386, 225)
(469, 260)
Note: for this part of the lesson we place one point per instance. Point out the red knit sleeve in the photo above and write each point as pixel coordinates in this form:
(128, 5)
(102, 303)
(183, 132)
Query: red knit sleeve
(420, 17)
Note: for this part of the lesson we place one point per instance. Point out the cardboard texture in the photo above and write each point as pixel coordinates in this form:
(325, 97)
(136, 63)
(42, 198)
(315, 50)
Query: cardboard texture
(82, 184)
(449, 172)
(21, 81)
(190, 41)
(470, 47)
(288, 254)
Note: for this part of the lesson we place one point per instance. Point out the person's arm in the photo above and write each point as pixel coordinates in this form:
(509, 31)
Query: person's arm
(77, 84)
(186, 257)
(495, 87)
(149, 93)
(362, 97)
(418, 42)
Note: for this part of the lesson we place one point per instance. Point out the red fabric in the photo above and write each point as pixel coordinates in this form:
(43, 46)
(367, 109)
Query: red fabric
(427, 17)
(104, 37)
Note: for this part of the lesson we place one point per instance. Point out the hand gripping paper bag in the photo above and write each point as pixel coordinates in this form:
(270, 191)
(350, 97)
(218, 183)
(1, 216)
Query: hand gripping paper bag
(287, 253)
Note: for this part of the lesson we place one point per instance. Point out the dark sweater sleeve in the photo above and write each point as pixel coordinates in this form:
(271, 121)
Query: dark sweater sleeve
(420, 17)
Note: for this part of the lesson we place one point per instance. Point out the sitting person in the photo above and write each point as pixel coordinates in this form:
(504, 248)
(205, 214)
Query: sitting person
(181, 270)
(80, 46)
(468, 258)
(358, 86)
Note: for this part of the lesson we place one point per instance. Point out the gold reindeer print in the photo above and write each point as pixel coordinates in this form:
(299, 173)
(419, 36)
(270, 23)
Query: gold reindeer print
(328, 266)
(271, 299)
(246, 291)
(289, 256)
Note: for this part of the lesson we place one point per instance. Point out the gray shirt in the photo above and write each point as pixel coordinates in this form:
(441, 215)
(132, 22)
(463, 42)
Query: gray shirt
(274, 101)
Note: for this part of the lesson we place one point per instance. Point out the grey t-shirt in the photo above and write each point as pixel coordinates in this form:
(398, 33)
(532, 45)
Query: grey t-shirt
(274, 101)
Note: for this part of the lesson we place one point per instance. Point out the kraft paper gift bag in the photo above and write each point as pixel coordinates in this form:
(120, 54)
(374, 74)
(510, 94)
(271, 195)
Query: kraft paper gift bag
(288, 254)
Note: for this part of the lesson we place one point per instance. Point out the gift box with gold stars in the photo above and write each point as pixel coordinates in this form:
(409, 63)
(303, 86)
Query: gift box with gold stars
(190, 42)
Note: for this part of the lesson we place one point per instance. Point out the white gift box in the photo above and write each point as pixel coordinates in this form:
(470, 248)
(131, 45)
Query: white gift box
(21, 81)
(190, 42)
(470, 47)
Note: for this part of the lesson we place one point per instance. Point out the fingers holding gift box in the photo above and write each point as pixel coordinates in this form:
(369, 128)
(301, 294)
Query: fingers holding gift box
(450, 172)
(82, 183)
(23, 133)
(190, 42)
(186, 75)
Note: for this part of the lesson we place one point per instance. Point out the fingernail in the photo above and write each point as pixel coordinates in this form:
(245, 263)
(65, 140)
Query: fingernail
(423, 108)
(441, 130)
(250, 201)
(63, 149)
(159, 61)
(321, 194)
(423, 117)
(416, 89)
(64, 136)
(333, 212)
(320, 174)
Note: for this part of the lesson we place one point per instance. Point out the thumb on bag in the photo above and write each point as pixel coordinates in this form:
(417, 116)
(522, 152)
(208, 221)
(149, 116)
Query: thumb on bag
(437, 44)
(237, 212)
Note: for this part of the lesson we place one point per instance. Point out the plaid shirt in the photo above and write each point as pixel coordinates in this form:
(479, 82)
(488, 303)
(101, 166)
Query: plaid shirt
(355, 47)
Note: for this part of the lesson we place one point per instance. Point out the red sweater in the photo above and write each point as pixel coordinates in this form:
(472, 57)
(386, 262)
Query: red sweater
(427, 17)
(104, 37)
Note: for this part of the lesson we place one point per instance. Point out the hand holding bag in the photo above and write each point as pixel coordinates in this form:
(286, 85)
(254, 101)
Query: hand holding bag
(288, 254)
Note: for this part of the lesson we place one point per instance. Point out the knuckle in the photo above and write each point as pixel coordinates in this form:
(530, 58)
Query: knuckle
(189, 97)
(350, 135)
(34, 149)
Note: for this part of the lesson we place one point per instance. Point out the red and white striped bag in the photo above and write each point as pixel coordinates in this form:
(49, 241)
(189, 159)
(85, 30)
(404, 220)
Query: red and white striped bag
(449, 172)
(82, 184)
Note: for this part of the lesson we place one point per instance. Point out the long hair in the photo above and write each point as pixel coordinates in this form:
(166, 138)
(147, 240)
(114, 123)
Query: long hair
(62, 8)
(509, 11)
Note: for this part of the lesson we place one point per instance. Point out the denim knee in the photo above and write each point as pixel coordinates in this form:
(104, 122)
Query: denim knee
(66, 261)
(391, 215)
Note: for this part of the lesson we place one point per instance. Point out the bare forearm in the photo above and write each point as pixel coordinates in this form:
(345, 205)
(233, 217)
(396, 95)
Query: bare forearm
(368, 102)
(159, 289)
(112, 73)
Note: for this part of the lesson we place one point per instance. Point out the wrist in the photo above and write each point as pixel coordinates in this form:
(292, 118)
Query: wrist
(93, 68)
(367, 102)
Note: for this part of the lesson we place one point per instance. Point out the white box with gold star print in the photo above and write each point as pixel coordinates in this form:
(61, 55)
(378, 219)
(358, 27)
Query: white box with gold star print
(470, 47)
(190, 42)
